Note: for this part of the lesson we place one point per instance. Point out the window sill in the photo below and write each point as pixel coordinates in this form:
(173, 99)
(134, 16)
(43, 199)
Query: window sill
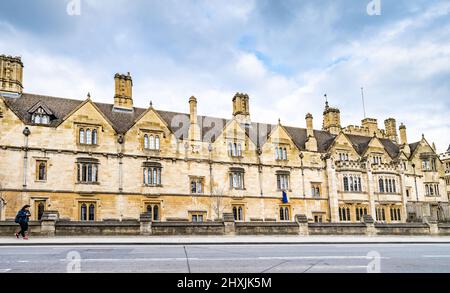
(360, 192)
(88, 183)
(238, 189)
(285, 190)
(152, 185)
(88, 145)
(40, 181)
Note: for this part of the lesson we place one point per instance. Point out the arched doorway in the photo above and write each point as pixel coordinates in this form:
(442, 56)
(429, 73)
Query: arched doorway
(2, 209)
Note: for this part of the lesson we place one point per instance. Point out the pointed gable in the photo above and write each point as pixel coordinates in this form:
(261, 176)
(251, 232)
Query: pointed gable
(59, 107)
(151, 120)
(40, 105)
(324, 139)
(348, 142)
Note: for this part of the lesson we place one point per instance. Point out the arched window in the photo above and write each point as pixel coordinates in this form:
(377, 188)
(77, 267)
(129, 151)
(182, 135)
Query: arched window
(91, 212)
(239, 150)
(230, 149)
(146, 143)
(155, 213)
(346, 187)
(83, 215)
(284, 154)
(82, 141)
(94, 136)
(152, 142)
(381, 185)
(88, 137)
(234, 149)
(157, 142)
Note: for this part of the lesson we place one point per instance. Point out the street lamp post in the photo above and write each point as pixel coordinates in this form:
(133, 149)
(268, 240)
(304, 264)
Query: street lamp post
(303, 173)
(210, 149)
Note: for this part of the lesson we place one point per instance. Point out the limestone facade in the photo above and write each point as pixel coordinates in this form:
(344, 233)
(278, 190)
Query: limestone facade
(92, 161)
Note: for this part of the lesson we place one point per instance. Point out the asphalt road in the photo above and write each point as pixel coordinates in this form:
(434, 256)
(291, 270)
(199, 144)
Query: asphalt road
(316, 258)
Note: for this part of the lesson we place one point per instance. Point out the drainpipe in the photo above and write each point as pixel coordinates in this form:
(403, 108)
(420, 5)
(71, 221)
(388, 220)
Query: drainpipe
(210, 149)
(303, 173)
(120, 140)
(26, 132)
(417, 190)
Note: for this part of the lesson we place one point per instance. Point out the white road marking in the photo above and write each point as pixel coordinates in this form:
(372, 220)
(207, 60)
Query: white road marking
(436, 256)
(343, 267)
(4, 270)
(223, 259)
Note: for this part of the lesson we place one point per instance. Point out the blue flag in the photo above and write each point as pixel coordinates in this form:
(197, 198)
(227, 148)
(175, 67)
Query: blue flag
(285, 197)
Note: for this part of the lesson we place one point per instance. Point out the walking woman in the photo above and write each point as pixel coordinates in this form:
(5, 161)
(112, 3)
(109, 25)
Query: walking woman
(22, 218)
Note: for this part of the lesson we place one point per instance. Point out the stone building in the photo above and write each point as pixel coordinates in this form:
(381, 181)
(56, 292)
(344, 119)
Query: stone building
(93, 161)
(445, 158)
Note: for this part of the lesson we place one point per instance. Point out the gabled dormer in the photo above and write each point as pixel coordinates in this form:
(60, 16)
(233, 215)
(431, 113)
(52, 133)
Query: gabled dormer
(41, 114)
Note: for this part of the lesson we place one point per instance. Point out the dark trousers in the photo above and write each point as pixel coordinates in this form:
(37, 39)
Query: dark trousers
(23, 229)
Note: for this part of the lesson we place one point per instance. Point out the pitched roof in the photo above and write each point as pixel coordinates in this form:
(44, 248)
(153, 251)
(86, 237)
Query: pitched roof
(211, 127)
(324, 139)
(413, 146)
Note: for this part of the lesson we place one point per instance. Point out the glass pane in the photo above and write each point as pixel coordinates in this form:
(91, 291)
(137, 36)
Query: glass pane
(83, 216)
(155, 213)
(92, 212)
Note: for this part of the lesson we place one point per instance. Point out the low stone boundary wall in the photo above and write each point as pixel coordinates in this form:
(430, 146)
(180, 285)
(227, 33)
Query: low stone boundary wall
(9, 228)
(337, 229)
(51, 226)
(403, 229)
(187, 228)
(266, 228)
(107, 228)
(444, 229)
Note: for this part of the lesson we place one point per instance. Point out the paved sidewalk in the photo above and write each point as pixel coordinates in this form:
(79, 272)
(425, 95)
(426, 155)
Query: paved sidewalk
(211, 240)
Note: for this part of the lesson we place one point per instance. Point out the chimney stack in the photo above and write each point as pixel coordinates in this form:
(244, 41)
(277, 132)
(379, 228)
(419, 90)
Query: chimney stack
(241, 108)
(311, 141)
(390, 126)
(403, 137)
(123, 98)
(194, 129)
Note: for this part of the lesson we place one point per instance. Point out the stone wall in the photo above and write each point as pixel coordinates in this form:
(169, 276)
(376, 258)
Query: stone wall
(337, 228)
(267, 228)
(106, 228)
(187, 228)
(403, 229)
(135, 228)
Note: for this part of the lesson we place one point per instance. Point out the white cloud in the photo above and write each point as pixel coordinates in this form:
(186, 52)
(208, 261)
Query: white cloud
(175, 50)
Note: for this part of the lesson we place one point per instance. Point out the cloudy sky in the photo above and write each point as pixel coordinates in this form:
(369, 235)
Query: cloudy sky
(284, 53)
